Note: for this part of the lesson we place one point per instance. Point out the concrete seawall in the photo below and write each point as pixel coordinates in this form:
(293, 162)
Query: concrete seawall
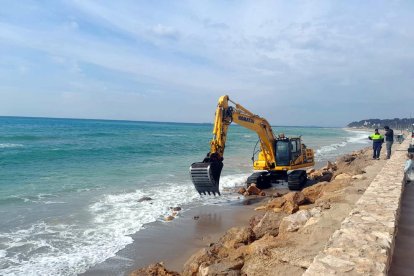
(365, 242)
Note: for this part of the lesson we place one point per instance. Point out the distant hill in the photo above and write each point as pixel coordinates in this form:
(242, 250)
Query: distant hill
(396, 123)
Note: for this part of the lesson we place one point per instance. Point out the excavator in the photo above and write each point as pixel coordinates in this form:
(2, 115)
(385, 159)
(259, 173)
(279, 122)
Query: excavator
(279, 158)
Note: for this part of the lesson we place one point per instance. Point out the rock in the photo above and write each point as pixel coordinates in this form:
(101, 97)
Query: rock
(261, 246)
(290, 207)
(269, 224)
(191, 267)
(315, 175)
(236, 236)
(331, 166)
(168, 218)
(144, 198)
(359, 176)
(323, 204)
(246, 193)
(260, 208)
(309, 171)
(311, 221)
(312, 193)
(326, 205)
(222, 268)
(253, 190)
(326, 176)
(295, 197)
(323, 174)
(348, 158)
(293, 222)
(277, 194)
(293, 200)
(176, 209)
(254, 220)
(154, 269)
(242, 190)
(276, 203)
(342, 176)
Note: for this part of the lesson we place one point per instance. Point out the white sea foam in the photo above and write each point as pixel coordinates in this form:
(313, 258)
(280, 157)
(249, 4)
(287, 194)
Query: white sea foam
(356, 139)
(361, 137)
(63, 249)
(330, 148)
(231, 181)
(10, 145)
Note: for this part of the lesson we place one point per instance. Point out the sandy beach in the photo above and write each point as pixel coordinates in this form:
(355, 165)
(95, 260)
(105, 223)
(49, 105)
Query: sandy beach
(174, 242)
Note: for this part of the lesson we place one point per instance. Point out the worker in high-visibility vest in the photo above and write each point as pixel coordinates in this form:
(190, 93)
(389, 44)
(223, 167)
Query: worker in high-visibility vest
(377, 140)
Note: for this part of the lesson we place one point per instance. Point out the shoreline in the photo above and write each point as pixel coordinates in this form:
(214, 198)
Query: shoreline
(160, 241)
(192, 230)
(332, 208)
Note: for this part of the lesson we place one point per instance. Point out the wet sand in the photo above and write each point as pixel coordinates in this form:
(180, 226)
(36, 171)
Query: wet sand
(175, 241)
(402, 261)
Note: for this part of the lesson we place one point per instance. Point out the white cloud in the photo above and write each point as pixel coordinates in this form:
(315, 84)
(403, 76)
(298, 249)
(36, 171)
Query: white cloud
(274, 51)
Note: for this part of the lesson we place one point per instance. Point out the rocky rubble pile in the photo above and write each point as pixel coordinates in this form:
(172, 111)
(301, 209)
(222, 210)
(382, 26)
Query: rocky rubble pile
(257, 248)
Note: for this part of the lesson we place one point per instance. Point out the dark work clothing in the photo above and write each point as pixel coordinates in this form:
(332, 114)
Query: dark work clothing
(376, 146)
(389, 140)
(377, 140)
(389, 146)
(389, 135)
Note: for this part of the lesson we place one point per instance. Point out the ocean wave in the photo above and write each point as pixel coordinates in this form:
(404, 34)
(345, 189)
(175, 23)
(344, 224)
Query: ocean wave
(235, 180)
(360, 138)
(10, 145)
(357, 138)
(39, 198)
(67, 249)
(330, 148)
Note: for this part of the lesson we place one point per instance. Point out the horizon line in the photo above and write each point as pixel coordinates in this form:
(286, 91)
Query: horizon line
(141, 121)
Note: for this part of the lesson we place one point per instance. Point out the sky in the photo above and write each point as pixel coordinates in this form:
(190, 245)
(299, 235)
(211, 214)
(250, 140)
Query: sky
(323, 63)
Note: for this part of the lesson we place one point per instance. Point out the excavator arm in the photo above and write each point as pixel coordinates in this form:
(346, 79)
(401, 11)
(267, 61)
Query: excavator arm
(205, 175)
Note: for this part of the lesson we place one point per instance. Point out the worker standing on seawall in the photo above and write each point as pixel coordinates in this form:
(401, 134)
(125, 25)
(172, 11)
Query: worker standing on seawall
(389, 140)
(377, 140)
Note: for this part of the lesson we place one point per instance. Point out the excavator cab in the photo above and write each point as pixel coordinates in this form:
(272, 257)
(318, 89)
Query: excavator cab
(287, 150)
(283, 152)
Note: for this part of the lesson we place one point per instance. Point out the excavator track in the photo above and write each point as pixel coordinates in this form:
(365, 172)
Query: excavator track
(206, 176)
(297, 180)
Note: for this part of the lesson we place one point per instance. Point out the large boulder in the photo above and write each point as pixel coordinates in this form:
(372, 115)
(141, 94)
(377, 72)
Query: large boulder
(312, 193)
(293, 222)
(293, 200)
(269, 224)
(276, 203)
(296, 197)
(237, 236)
(253, 190)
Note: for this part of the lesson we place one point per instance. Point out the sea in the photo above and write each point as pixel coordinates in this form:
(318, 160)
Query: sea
(70, 189)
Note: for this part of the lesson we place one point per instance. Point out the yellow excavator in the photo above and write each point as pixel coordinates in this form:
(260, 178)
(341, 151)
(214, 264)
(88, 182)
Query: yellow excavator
(279, 158)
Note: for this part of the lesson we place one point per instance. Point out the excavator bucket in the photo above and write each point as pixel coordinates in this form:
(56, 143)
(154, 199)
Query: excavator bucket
(206, 176)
